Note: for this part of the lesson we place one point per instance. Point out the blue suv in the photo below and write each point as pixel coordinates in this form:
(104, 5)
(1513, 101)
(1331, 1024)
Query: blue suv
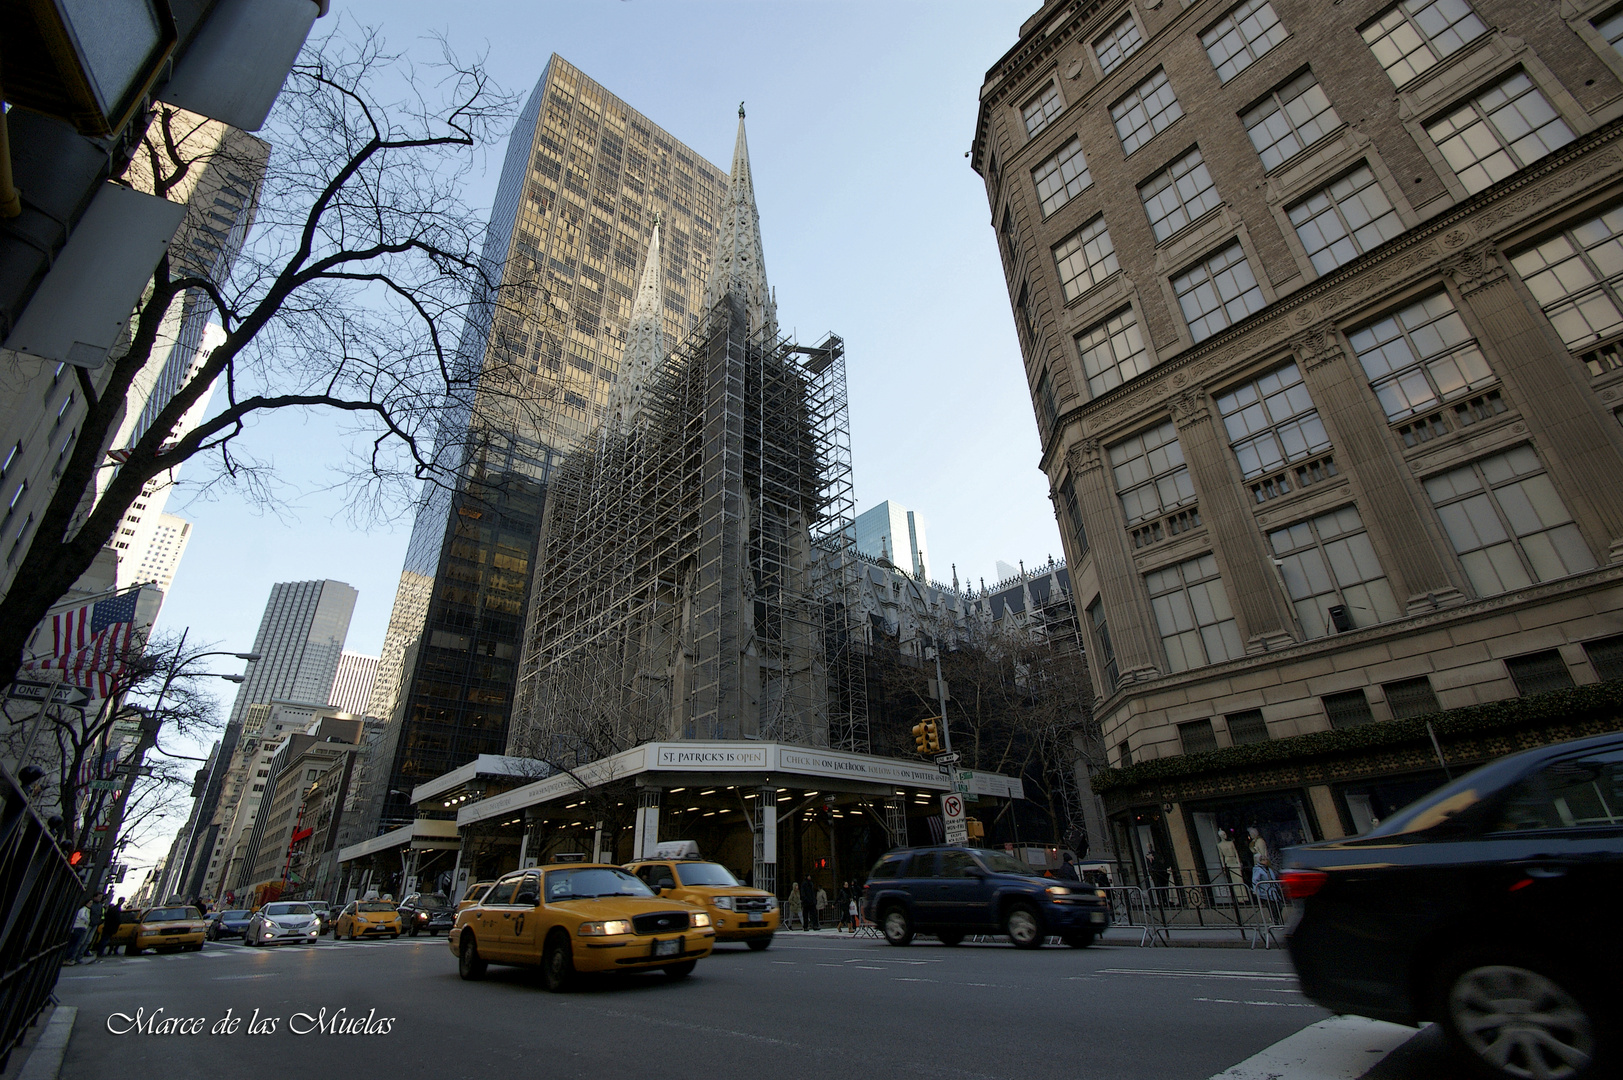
(952, 892)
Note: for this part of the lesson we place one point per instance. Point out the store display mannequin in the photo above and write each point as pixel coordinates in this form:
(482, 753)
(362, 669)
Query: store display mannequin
(1259, 846)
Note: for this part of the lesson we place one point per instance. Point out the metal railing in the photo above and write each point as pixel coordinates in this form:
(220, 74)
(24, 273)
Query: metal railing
(39, 893)
(1256, 915)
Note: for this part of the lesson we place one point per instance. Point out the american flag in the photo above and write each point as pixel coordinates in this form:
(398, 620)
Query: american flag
(90, 642)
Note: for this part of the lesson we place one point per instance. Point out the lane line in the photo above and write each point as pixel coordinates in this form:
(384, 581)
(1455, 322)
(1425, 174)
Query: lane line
(1275, 1004)
(1340, 1048)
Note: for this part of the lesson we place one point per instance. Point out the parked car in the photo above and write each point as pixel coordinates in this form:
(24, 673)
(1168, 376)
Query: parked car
(367, 918)
(952, 892)
(579, 917)
(738, 913)
(426, 913)
(164, 928)
(232, 923)
(282, 920)
(1489, 907)
(324, 915)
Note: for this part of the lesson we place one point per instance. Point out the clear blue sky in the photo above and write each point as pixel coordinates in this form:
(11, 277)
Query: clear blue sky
(875, 227)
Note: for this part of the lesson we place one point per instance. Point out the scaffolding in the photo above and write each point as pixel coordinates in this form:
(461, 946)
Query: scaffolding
(697, 577)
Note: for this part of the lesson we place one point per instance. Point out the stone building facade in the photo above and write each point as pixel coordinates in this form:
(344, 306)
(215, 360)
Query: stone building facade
(1320, 315)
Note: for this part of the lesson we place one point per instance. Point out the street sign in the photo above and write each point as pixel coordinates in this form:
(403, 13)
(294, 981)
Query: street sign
(952, 813)
(106, 785)
(951, 758)
(38, 691)
(945, 770)
(938, 689)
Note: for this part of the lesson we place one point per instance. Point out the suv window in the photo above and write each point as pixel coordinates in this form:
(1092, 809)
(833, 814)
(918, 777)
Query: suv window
(889, 867)
(957, 864)
(503, 892)
(1570, 794)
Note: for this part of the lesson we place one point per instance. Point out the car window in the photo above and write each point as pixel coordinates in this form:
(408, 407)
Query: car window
(705, 873)
(890, 866)
(1001, 862)
(659, 877)
(376, 908)
(1574, 793)
(530, 885)
(504, 890)
(433, 902)
(957, 864)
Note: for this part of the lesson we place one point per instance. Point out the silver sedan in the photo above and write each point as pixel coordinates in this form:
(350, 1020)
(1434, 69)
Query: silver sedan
(282, 921)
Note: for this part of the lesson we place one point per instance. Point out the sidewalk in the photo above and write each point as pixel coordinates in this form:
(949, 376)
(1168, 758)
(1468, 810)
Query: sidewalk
(39, 1055)
(1213, 937)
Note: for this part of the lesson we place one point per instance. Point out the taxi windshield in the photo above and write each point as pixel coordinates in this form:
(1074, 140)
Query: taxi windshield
(376, 908)
(170, 914)
(705, 873)
(586, 883)
(432, 902)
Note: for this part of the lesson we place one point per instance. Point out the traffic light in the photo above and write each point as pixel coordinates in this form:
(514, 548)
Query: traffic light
(933, 734)
(922, 735)
(974, 829)
(76, 858)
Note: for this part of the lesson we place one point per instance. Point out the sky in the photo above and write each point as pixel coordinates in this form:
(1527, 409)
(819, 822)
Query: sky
(874, 226)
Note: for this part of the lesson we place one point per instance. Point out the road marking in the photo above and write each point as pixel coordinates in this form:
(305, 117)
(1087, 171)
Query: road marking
(1174, 973)
(1340, 1048)
(1277, 1004)
(903, 978)
(258, 975)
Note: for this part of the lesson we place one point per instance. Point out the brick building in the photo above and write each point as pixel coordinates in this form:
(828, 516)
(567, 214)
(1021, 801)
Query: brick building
(1319, 306)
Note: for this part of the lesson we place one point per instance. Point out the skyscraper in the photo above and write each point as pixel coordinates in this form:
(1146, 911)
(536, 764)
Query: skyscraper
(352, 686)
(301, 636)
(1324, 340)
(584, 179)
(895, 533)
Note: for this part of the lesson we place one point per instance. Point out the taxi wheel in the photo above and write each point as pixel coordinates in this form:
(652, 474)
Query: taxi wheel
(558, 965)
(680, 971)
(760, 944)
(897, 926)
(469, 964)
(1024, 927)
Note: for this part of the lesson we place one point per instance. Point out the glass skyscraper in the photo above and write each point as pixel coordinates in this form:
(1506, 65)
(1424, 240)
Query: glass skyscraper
(584, 179)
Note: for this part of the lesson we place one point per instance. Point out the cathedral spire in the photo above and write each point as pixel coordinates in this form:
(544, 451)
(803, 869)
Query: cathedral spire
(737, 263)
(645, 343)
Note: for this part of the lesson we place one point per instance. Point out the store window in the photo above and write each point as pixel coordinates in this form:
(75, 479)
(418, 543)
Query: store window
(1328, 563)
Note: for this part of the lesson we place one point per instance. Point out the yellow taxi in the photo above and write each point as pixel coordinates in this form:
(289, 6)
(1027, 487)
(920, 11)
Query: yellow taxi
(570, 918)
(177, 927)
(367, 918)
(475, 891)
(738, 912)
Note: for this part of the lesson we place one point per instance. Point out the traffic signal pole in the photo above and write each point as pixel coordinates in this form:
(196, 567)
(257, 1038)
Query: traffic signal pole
(941, 692)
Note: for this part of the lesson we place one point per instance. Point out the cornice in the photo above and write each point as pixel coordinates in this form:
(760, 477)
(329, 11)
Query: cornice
(1318, 304)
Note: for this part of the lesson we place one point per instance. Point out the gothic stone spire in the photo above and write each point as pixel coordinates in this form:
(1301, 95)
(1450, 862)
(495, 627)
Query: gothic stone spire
(645, 343)
(737, 263)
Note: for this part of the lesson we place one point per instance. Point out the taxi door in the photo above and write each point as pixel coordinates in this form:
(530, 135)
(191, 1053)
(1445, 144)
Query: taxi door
(494, 919)
(524, 930)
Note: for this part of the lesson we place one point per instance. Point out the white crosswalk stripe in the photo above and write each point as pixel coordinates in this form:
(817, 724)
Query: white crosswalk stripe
(1340, 1048)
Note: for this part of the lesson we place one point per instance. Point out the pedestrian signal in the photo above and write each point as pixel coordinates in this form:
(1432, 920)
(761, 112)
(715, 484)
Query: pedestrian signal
(76, 858)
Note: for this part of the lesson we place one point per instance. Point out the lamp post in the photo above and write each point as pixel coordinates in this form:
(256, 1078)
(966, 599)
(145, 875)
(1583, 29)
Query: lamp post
(131, 768)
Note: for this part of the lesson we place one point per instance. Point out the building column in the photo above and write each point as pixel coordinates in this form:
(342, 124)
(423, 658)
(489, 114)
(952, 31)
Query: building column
(646, 836)
(1323, 801)
(1391, 504)
(1266, 622)
(1128, 616)
(1563, 417)
(765, 870)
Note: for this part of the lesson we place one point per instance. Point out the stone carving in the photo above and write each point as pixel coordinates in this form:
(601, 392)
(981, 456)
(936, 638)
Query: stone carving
(1190, 408)
(1084, 457)
(1515, 207)
(1476, 267)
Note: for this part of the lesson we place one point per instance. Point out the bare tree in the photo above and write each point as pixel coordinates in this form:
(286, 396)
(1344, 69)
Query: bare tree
(348, 300)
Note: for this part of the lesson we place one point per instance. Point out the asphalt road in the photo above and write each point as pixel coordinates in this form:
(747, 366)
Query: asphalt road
(813, 1006)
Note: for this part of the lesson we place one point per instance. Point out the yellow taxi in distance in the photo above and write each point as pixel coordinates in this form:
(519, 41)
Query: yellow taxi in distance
(579, 917)
(475, 891)
(738, 912)
(367, 918)
(167, 928)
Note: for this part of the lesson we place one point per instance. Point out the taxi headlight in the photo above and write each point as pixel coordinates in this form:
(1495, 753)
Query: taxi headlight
(607, 928)
(700, 919)
(1058, 890)
(724, 902)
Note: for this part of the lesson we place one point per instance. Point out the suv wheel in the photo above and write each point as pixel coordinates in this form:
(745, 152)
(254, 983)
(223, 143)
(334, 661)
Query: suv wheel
(1024, 927)
(1516, 1017)
(898, 928)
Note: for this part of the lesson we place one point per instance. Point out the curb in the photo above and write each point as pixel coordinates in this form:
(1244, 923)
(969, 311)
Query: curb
(45, 1061)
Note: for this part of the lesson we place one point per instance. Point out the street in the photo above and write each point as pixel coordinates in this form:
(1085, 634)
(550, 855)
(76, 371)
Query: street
(814, 1005)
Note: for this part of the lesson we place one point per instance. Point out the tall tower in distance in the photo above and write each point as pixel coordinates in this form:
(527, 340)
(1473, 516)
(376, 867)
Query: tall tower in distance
(584, 180)
(301, 636)
(895, 533)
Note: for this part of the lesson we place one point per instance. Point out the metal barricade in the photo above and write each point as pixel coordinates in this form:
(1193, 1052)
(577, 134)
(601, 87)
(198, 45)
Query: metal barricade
(39, 893)
(1256, 915)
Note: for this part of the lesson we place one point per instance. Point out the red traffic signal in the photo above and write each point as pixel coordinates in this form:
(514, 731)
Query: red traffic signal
(76, 858)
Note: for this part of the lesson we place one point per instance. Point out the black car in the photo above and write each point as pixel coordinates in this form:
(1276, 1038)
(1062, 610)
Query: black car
(1489, 906)
(224, 924)
(952, 892)
(426, 913)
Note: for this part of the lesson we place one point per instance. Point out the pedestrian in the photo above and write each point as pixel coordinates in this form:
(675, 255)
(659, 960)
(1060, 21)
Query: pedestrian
(856, 911)
(822, 902)
(81, 930)
(841, 896)
(1066, 870)
(808, 900)
(791, 909)
(109, 927)
(1265, 883)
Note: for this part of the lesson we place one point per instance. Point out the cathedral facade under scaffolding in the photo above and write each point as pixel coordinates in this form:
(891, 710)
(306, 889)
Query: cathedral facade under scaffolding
(697, 575)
